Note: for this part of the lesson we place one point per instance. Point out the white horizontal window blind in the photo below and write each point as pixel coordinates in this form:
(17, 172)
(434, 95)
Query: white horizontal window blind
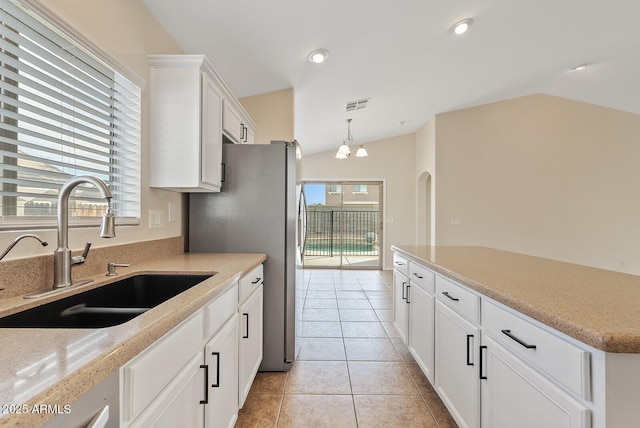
(64, 112)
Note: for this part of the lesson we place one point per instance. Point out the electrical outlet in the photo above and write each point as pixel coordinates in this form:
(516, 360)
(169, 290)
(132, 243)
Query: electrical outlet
(173, 214)
(456, 221)
(156, 219)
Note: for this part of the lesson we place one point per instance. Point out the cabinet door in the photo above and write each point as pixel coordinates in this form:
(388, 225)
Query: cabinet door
(514, 394)
(456, 362)
(400, 305)
(232, 123)
(180, 403)
(422, 330)
(221, 358)
(211, 143)
(250, 347)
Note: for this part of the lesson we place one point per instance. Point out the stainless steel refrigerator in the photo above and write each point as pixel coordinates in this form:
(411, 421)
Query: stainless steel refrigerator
(260, 209)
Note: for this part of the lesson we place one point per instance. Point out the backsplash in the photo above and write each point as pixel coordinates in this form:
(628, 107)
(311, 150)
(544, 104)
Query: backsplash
(22, 276)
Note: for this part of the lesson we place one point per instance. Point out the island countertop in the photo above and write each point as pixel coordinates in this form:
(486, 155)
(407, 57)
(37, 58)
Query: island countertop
(57, 366)
(598, 307)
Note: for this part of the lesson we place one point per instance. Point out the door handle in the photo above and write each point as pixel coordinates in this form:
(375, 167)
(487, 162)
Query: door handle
(404, 296)
(246, 336)
(408, 294)
(482, 376)
(206, 381)
(469, 363)
(217, 384)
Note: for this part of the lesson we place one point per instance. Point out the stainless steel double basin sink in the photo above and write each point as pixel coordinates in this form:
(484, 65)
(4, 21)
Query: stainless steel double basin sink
(106, 306)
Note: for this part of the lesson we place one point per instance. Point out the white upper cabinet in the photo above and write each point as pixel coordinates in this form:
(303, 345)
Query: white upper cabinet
(190, 106)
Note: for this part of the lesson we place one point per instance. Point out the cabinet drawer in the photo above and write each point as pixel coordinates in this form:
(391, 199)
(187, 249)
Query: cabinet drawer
(459, 299)
(146, 375)
(563, 361)
(219, 311)
(250, 282)
(422, 277)
(401, 264)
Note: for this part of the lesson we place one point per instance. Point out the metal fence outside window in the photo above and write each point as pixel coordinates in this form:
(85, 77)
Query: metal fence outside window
(326, 227)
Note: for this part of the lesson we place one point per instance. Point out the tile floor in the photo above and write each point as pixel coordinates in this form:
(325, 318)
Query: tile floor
(352, 369)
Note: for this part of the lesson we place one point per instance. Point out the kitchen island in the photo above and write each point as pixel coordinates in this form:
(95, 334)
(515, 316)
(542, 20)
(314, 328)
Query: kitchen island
(55, 367)
(538, 336)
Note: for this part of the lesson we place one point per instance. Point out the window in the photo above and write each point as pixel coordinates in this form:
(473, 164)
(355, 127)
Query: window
(64, 111)
(333, 189)
(360, 189)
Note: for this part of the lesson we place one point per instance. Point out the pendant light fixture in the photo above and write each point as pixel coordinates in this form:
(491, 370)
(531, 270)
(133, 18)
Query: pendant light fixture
(345, 151)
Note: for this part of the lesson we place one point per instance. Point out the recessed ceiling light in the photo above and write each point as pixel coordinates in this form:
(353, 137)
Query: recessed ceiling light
(461, 26)
(318, 56)
(580, 67)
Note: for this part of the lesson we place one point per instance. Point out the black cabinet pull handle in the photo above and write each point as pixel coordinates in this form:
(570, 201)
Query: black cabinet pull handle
(469, 363)
(399, 264)
(224, 172)
(482, 376)
(446, 293)
(520, 341)
(417, 276)
(246, 336)
(217, 384)
(206, 380)
(408, 294)
(256, 281)
(404, 296)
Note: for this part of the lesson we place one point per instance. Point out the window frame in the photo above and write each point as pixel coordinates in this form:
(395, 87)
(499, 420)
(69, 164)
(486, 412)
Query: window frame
(54, 22)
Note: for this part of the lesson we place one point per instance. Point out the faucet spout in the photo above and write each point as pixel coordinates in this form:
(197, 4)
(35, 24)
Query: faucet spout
(21, 237)
(62, 260)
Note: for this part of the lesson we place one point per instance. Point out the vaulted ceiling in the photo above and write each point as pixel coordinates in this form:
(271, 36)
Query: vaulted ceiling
(403, 57)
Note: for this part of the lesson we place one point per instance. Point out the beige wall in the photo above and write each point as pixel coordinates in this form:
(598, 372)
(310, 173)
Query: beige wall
(544, 176)
(391, 160)
(128, 32)
(425, 183)
(273, 114)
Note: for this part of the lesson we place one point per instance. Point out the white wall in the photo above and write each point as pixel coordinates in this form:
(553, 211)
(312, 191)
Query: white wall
(127, 31)
(391, 160)
(425, 183)
(541, 175)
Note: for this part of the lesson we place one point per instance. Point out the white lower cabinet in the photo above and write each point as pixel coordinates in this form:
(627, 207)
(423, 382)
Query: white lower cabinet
(421, 329)
(515, 395)
(198, 373)
(179, 404)
(221, 361)
(400, 303)
(456, 365)
(250, 337)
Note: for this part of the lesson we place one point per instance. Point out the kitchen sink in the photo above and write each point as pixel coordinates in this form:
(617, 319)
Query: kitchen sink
(106, 306)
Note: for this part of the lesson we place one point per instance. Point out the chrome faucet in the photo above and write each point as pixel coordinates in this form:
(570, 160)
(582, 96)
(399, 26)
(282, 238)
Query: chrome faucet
(62, 259)
(21, 237)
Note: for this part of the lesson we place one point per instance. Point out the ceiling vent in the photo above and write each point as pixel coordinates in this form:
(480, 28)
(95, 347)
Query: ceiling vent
(357, 105)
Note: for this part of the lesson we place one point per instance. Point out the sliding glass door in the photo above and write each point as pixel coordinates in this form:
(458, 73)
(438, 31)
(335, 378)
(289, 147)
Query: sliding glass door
(344, 225)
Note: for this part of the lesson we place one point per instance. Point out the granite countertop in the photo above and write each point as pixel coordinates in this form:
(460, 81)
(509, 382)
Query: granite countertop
(57, 366)
(595, 306)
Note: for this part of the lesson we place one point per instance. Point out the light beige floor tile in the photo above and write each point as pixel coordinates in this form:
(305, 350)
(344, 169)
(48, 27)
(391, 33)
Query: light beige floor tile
(403, 350)
(378, 294)
(363, 329)
(350, 294)
(260, 411)
(269, 383)
(434, 403)
(354, 304)
(375, 411)
(310, 303)
(370, 350)
(321, 329)
(357, 315)
(380, 378)
(321, 294)
(384, 314)
(391, 329)
(375, 287)
(318, 377)
(322, 349)
(381, 303)
(320, 315)
(321, 286)
(317, 411)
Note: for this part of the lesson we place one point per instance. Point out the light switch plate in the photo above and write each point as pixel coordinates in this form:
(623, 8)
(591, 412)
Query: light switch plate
(156, 219)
